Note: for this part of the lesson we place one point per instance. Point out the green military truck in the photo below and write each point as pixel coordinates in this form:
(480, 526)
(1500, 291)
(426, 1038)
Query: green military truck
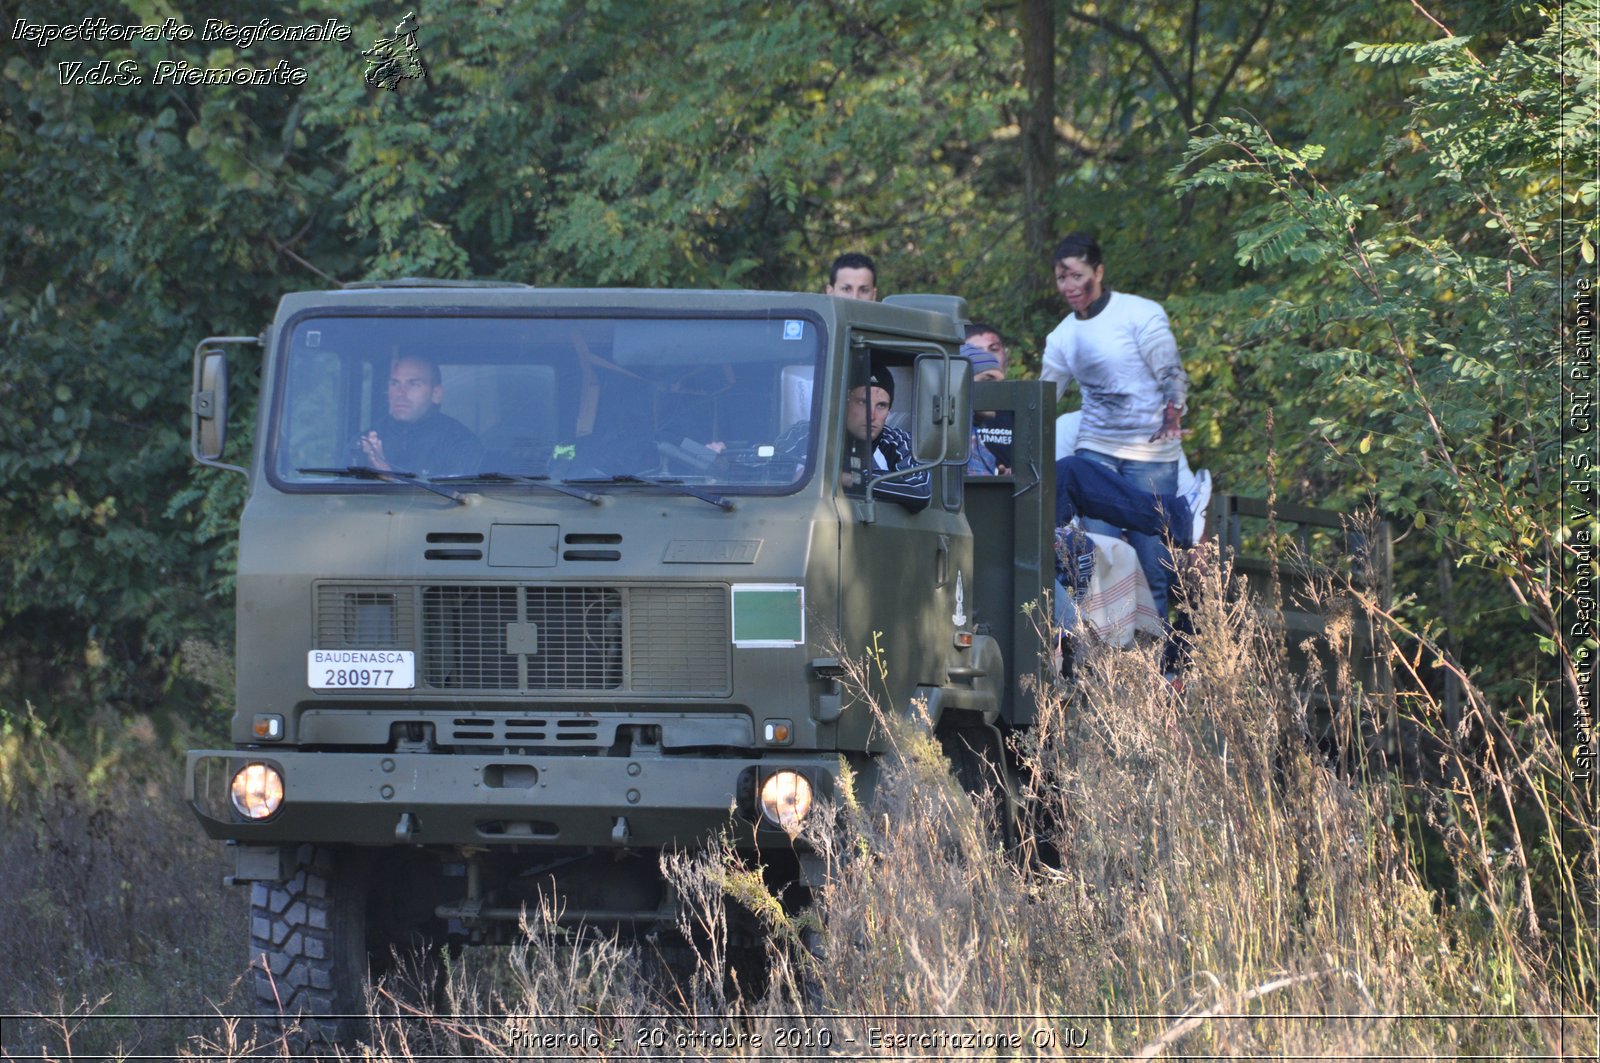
(584, 601)
(535, 584)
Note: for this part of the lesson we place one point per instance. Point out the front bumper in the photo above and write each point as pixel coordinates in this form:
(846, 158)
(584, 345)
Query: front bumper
(489, 800)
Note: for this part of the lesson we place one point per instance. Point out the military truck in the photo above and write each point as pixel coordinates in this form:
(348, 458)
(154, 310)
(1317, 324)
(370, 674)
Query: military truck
(602, 618)
(535, 584)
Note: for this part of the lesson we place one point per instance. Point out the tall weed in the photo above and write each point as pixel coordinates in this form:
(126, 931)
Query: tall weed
(1233, 871)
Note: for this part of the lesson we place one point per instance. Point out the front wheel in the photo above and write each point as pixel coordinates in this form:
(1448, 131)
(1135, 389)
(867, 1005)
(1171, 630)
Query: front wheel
(308, 946)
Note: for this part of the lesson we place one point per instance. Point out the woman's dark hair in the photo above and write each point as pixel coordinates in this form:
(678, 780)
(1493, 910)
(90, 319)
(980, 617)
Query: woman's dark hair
(1079, 245)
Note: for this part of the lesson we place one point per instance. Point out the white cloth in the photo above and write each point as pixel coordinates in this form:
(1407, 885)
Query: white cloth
(1126, 363)
(1118, 603)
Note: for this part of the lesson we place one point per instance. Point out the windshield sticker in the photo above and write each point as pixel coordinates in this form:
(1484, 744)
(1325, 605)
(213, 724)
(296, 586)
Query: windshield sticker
(794, 330)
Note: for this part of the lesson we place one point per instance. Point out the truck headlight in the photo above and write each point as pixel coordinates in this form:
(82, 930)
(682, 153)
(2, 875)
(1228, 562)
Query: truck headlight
(786, 799)
(257, 790)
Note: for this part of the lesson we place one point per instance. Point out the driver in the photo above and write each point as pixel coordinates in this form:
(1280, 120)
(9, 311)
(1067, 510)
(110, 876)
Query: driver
(414, 436)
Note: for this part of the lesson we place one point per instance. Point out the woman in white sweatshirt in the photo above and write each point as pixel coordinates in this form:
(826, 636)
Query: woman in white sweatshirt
(1120, 350)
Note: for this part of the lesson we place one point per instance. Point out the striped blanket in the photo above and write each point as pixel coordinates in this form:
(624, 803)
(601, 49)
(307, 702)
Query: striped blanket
(1118, 603)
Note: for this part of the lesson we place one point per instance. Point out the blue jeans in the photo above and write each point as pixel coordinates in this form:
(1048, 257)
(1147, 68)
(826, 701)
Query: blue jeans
(1088, 489)
(1155, 478)
(1065, 608)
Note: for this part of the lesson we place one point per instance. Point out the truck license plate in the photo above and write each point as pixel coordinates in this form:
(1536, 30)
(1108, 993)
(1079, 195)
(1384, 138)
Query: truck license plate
(361, 669)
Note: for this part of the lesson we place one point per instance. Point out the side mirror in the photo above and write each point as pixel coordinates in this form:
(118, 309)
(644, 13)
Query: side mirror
(942, 423)
(208, 421)
(209, 433)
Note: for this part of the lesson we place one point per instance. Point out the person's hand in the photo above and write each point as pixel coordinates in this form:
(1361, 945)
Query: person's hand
(1171, 425)
(1002, 470)
(372, 447)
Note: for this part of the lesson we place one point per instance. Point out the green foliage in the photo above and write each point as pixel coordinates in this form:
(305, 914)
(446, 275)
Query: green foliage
(122, 246)
(1417, 298)
(738, 144)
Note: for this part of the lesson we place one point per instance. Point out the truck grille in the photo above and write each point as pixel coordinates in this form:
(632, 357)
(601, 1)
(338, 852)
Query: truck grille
(671, 641)
(575, 633)
(364, 618)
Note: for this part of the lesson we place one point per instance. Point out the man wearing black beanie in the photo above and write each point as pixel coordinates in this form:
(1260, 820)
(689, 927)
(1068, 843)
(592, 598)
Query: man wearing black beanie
(866, 419)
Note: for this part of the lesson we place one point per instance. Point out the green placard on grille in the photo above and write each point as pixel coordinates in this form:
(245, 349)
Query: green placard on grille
(769, 614)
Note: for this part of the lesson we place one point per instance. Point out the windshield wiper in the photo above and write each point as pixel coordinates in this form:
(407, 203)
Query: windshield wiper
(367, 472)
(519, 478)
(650, 481)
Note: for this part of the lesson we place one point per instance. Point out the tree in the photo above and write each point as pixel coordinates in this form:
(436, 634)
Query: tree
(1424, 316)
(569, 143)
(1427, 300)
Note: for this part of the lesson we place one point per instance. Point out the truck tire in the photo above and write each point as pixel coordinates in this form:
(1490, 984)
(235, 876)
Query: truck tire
(308, 950)
(978, 756)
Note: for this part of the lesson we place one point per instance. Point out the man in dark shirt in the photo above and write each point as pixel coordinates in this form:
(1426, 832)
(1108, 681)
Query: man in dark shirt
(993, 428)
(980, 459)
(414, 437)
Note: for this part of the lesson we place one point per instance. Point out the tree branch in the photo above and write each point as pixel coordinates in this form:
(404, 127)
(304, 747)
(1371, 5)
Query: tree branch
(289, 253)
(1194, 44)
(1140, 41)
(1238, 61)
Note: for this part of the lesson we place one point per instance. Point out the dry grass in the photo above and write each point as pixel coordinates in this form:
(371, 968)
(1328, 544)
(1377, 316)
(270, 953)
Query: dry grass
(112, 898)
(1218, 886)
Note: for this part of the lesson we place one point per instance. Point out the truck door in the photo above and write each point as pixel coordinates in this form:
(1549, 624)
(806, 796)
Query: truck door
(904, 555)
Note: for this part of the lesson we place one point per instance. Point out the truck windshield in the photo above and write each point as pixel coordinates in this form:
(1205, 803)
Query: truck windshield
(488, 402)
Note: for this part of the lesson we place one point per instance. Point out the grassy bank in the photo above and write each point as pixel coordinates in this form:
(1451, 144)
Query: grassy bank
(1198, 878)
